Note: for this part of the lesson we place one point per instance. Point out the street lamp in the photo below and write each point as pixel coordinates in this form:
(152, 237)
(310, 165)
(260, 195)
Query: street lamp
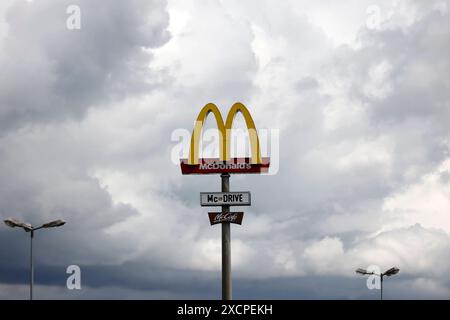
(10, 222)
(392, 271)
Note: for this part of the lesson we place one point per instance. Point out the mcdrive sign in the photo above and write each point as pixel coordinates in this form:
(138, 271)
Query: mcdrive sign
(211, 199)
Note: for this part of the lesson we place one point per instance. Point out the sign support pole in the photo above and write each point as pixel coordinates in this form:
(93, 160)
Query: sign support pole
(226, 244)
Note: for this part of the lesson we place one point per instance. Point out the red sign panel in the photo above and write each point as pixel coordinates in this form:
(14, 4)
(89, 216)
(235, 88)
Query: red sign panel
(214, 165)
(221, 217)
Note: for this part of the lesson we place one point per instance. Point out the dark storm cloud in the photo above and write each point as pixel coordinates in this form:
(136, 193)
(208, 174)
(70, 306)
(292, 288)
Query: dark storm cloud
(398, 76)
(418, 62)
(130, 282)
(57, 186)
(188, 283)
(50, 72)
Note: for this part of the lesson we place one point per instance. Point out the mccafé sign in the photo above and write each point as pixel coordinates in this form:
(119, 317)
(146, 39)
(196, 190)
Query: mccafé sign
(221, 217)
(194, 165)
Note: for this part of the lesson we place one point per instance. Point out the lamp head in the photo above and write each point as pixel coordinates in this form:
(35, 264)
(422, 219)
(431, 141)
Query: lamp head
(11, 222)
(52, 224)
(392, 271)
(361, 271)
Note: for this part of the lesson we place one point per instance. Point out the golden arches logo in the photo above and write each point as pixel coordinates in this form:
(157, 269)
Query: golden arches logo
(224, 133)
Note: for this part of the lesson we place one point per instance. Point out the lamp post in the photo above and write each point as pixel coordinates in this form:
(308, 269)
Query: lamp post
(10, 222)
(392, 271)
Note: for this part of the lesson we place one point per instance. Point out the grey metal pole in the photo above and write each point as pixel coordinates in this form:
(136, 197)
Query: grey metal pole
(381, 286)
(31, 265)
(226, 244)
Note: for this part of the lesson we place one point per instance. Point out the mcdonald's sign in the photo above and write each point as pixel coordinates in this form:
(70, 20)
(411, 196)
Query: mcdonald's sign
(195, 165)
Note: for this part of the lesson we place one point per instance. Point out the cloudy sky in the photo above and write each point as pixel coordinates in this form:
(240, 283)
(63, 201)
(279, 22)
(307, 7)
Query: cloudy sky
(360, 95)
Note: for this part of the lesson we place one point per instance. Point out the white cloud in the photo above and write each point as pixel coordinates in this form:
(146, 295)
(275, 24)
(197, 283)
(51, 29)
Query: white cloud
(426, 202)
(322, 255)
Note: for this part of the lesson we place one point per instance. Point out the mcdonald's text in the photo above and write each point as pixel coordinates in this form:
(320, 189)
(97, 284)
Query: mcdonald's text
(214, 166)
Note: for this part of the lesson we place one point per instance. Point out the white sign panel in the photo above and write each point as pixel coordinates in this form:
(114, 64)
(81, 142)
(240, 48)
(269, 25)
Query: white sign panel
(210, 199)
